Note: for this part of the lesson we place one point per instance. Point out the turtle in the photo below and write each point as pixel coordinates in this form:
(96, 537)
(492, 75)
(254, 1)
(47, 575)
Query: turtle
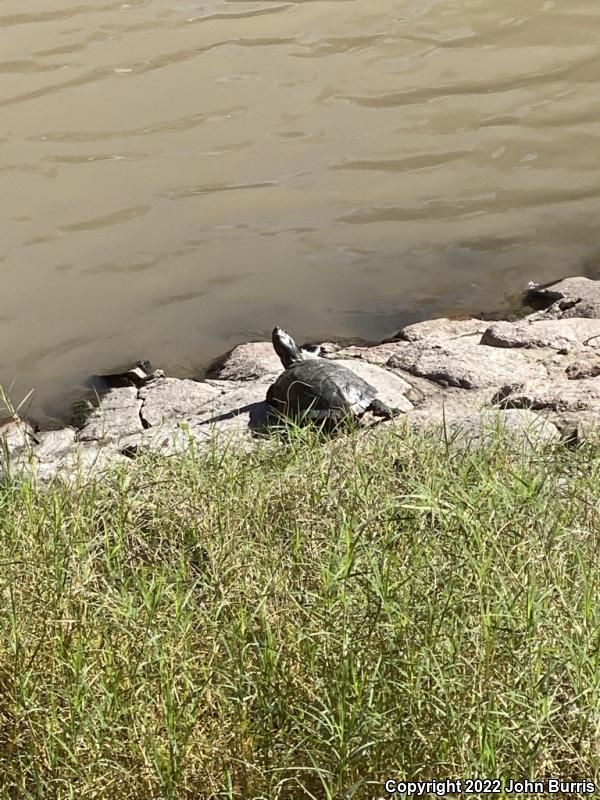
(313, 389)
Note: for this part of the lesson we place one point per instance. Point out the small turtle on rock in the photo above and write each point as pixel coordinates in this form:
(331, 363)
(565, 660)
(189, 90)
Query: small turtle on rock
(317, 390)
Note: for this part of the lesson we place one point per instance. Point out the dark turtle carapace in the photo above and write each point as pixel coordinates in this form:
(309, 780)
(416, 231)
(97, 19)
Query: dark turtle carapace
(314, 389)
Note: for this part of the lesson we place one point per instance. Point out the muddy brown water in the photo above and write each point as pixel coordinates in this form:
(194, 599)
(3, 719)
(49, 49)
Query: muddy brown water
(179, 175)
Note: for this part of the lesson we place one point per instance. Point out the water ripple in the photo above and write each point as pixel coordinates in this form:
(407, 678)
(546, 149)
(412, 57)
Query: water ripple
(58, 14)
(493, 202)
(183, 193)
(497, 86)
(116, 218)
(405, 164)
(166, 126)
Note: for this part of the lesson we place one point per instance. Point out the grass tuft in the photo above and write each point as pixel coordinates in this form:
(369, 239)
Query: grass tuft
(302, 621)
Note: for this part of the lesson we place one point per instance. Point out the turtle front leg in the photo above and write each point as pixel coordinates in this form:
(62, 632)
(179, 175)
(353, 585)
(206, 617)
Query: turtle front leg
(380, 409)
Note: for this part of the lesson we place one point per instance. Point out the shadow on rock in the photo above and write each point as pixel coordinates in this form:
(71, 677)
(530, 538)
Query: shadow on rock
(257, 417)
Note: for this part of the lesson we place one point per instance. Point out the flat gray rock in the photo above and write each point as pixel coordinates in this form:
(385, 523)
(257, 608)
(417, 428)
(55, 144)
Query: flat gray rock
(42, 459)
(465, 426)
(54, 444)
(84, 461)
(443, 329)
(246, 404)
(248, 362)
(225, 386)
(523, 424)
(234, 431)
(177, 436)
(559, 334)
(463, 365)
(467, 331)
(117, 415)
(166, 398)
(558, 396)
(448, 405)
(168, 438)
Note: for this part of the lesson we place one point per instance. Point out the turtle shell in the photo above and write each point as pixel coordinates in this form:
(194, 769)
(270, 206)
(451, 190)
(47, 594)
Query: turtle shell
(320, 389)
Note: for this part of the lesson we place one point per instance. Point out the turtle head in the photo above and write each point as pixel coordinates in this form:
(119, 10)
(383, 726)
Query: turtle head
(289, 352)
(285, 347)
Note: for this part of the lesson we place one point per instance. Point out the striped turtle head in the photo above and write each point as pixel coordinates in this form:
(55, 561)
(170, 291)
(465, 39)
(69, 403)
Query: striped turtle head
(285, 347)
(288, 351)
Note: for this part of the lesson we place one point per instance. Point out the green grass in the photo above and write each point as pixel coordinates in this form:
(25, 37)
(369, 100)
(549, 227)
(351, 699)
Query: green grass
(304, 621)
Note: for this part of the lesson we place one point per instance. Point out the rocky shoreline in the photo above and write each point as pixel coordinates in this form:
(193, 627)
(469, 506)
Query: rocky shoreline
(539, 377)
